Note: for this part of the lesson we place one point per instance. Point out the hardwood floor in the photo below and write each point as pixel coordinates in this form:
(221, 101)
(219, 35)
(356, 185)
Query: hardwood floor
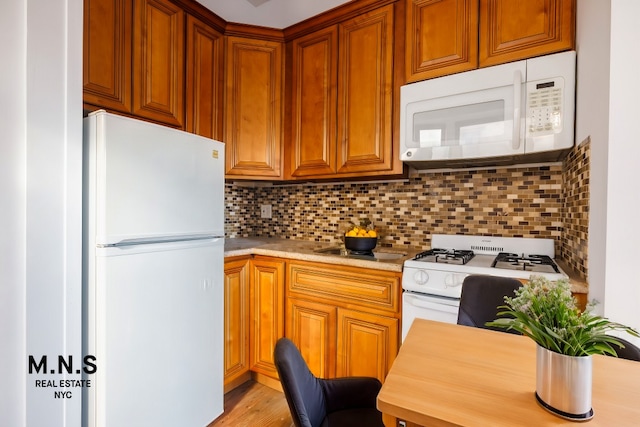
(254, 405)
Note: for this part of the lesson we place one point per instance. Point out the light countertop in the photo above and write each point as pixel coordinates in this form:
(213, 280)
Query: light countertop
(306, 251)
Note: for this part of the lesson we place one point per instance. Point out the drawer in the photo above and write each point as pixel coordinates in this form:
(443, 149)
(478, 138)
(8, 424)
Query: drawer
(345, 286)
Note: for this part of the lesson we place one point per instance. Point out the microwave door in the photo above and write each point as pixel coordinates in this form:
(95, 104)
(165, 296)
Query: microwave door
(469, 125)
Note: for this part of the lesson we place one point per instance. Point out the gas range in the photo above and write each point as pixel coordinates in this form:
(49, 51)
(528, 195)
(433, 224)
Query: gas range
(441, 270)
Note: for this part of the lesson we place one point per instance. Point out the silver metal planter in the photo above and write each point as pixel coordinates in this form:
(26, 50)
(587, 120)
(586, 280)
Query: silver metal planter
(563, 384)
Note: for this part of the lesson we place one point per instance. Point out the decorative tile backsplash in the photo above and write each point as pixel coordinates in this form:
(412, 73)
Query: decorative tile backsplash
(576, 174)
(513, 202)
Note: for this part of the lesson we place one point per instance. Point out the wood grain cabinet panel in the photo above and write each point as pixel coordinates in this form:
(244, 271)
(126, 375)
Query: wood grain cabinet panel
(266, 312)
(367, 344)
(107, 54)
(342, 99)
(314, 103)
(204, 79)
(345, 320)
(517, 29)
(442, 37)
(236, 322)
(158, 61)
(312, 328)
(365, 94)
(253, 102)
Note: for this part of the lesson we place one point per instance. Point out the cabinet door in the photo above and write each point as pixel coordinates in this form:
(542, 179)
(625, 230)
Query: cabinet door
(442, 37)
(313, 103)
(236, 320)
(267, 313)
(365, 92)
(367, 344)
(107, 54)
(253, 131)
(517, 29)
(204, 80)
(158, 64)
(312, 328)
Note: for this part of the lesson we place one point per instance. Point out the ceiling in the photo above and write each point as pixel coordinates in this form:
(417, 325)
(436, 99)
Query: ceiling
(269, 13)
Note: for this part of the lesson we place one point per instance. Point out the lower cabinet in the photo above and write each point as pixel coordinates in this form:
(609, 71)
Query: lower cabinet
(236, 322)
(344, 320)
(312, 327)
(266, 312)
(367, 344)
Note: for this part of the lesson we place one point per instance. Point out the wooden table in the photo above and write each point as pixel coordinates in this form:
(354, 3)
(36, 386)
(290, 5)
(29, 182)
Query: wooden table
(451, 375)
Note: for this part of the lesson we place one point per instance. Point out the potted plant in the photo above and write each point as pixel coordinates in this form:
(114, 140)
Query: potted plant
(566, 339)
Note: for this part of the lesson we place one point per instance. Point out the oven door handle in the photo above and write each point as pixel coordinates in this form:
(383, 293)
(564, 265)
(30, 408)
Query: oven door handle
(433, 303)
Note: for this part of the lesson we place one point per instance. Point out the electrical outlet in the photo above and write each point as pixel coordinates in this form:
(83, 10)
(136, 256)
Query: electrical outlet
(265, 211)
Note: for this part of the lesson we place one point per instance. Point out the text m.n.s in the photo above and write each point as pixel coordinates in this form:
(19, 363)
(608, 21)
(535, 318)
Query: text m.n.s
(65, 364)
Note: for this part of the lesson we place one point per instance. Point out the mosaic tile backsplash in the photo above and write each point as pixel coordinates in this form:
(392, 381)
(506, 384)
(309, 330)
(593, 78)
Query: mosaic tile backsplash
(511, 202)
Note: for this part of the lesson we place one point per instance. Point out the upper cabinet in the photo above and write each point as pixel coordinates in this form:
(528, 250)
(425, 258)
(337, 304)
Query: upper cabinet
(158, 61)
(450, 36)
(107, 54)
(134, 58)
(342, 98)
(442, 37)
(253, 103)
(512, 30)
(205, 78)
(314, 103)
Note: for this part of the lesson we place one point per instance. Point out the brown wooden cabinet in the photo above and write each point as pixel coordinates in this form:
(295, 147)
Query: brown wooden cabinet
(449, 36)
(266, 312)
(204, 79)
(511, 30)
(342, 127)
(134, 58)
(107, 54)
(367, 344)
(314, 103)
(236, 322)
(312, 326)
(253, 103)
(158, 61)
(344, 320)
(442, 37)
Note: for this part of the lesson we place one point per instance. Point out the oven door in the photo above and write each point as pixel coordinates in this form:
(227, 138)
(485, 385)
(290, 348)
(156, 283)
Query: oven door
(430, 307)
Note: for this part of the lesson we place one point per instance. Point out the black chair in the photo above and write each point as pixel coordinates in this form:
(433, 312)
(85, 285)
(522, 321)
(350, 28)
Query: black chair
(480, 298)
(630, 351)
(317, 402)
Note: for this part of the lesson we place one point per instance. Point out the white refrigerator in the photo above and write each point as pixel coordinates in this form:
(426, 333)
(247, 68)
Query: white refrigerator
(153, 274)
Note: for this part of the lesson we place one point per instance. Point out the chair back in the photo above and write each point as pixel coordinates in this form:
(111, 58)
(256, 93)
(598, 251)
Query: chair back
(481, 296)
(629, 352)
(302, 389)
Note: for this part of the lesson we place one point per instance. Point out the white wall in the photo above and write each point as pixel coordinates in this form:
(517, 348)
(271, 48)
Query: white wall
(622, 291)
(12, 215)
(607, 110)
(40, 183)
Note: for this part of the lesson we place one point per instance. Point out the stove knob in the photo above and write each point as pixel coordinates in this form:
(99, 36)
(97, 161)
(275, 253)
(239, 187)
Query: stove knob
(454, 280)
(421, 277)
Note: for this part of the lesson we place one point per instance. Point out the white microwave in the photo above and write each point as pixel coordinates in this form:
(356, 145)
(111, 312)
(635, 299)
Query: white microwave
(512, 113)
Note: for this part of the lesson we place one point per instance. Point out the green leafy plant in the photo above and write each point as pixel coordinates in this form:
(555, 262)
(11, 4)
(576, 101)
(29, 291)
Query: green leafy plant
(547, 313)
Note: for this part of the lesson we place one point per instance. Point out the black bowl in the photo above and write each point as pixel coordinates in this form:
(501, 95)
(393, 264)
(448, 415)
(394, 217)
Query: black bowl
(360, 244)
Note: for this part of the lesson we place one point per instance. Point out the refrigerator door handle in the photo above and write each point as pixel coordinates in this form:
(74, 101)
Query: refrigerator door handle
(163, 239)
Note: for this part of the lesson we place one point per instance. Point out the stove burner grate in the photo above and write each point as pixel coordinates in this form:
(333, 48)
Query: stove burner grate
(523, 262)
(447, 255)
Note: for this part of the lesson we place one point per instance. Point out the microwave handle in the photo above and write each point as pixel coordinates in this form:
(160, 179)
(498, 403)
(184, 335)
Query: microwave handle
(517, 98)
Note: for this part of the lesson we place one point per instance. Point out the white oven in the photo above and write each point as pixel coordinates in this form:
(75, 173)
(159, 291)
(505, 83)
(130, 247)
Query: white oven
(432, 281)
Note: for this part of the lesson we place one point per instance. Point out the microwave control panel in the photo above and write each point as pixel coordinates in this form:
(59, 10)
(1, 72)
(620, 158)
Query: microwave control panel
(544, 107)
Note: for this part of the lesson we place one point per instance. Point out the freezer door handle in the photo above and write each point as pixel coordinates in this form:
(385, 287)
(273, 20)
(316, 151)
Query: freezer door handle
(163, 239)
